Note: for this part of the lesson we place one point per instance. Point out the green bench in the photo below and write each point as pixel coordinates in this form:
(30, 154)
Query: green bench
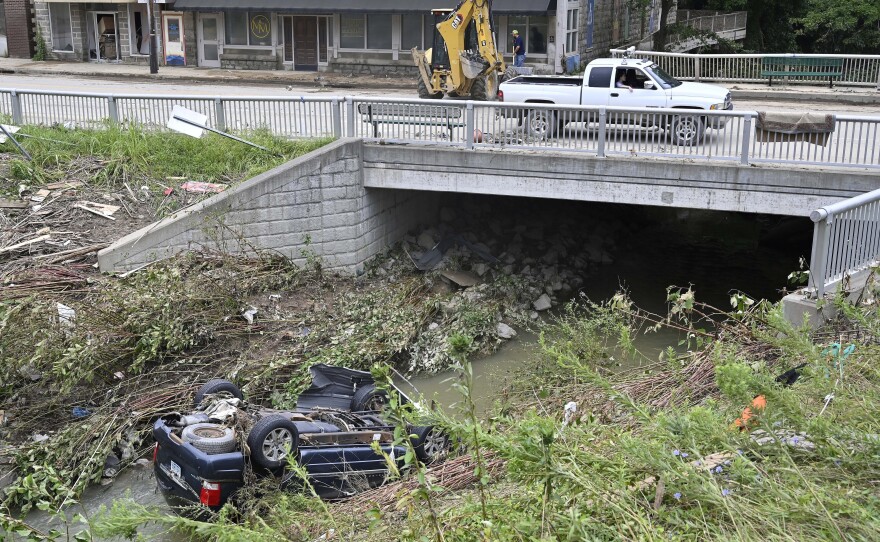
(832, 68)
(448, 117)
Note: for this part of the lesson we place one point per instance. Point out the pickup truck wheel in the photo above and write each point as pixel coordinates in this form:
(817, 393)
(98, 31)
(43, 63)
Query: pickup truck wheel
(425, 94)
(217, 385)
(541, 124)
(431, 443)
(271, 439)
(211, 438)
(686, 130)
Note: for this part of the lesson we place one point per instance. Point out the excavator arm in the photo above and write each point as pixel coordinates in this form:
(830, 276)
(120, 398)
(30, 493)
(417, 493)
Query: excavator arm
(453, 30)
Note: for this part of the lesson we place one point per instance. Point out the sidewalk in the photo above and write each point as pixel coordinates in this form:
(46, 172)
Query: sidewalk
(176, 74)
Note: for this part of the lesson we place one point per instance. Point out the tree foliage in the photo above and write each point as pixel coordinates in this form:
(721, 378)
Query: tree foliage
(840, 26)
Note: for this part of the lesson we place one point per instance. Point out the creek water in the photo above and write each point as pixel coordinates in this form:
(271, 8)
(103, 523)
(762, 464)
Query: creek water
(714, 253)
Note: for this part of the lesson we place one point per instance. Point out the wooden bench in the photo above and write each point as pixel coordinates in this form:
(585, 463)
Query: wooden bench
(832, 68)
(448, 117)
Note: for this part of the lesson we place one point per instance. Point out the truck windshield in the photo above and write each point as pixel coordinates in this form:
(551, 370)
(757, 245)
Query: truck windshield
(665, 80)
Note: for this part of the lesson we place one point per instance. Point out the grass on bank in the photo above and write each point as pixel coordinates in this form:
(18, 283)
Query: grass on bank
(622, 470)
(115, 154)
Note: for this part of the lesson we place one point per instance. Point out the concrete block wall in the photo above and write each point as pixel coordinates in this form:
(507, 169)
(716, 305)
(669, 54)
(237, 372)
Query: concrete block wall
(315, 203)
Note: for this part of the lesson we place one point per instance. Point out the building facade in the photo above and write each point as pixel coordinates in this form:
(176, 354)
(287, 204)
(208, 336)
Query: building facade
(16, 30)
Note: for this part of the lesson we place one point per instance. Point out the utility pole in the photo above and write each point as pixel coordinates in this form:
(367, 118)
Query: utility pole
(154, 60)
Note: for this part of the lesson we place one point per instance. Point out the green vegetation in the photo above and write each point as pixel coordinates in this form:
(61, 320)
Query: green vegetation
(113, 155)
(649, 455)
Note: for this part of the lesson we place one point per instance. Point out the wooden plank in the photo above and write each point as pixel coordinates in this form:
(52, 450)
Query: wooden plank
(10, 204)
(25, 243)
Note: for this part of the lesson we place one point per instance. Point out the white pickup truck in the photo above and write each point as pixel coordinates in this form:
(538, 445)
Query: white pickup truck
(618, 82)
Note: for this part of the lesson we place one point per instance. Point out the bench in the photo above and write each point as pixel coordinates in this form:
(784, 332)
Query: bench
(448, 117)
(832, 68)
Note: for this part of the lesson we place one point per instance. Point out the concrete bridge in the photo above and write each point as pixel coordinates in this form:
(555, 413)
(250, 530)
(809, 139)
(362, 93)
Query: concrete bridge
(349, 200)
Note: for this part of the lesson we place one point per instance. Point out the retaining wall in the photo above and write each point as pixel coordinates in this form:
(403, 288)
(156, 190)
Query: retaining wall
(315, 203)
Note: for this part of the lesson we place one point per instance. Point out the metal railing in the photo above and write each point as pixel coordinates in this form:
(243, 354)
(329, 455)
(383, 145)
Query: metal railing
(858, 70)
(714, 22)
(602, 131)
(846, 241)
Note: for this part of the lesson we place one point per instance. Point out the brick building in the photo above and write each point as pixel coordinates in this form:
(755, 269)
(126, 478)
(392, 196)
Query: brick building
(16, 29)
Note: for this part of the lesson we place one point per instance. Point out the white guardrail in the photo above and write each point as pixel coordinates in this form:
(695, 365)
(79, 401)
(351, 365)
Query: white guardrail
(857, 70)
(846, 241)
(601, 131)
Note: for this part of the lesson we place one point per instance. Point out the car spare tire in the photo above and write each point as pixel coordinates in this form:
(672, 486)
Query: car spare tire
(270, 440)
(211, 438)
(217, 385)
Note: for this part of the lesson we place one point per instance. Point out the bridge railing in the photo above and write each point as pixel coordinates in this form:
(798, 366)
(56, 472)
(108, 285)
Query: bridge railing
(603, 131)
(846, 241)
(858, 70)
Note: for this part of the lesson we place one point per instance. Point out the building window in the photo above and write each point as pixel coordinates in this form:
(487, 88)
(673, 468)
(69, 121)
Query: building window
(365, 32)
(533, 31)
(352, 31)
(571, 31)
(251, 28)
(139, 29)
(416, 31)
(59, 21)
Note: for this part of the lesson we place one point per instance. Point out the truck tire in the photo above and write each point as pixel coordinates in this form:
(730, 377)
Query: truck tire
(269, 441)
(425, 94)
(211, 438)
(430, 443)
(369, 399)
(480, 90)
(541, 124)
(216, 385)
(686, 130)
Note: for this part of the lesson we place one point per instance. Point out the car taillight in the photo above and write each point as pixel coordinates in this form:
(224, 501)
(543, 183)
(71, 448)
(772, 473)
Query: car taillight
(210, 495)
(500, 95)
(155, 452)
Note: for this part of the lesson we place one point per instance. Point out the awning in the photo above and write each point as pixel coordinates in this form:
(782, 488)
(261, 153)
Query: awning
(500, 7)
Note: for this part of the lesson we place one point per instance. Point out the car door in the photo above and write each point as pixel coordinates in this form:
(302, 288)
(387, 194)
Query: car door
(641, 95)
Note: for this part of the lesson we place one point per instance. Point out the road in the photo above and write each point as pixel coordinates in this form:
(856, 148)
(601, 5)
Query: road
(93, 84)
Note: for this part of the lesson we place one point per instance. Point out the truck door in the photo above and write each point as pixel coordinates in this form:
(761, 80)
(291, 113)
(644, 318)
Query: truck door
(597, 86)
(640, 96)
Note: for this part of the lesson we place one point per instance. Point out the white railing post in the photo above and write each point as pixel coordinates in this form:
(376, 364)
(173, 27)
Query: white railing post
(219, 114)
(600, 150)
(349, 114)
(469, 128)
(696, 67)
(747, 139)
(16, 108)
(336, 111)
(819, 255)
(112, 110)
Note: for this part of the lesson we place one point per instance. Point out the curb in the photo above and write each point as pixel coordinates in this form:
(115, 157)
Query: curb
(789, 96)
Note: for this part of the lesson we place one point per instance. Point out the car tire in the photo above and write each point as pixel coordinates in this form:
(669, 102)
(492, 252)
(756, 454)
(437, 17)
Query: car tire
(369, 399)
(217, 385)
(431, 443)
(686, 130)
(211, 438)
(425, 94)
(541, 124)
(269, 439)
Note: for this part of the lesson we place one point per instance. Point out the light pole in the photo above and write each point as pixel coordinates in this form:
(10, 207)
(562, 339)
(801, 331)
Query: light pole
(154, 60)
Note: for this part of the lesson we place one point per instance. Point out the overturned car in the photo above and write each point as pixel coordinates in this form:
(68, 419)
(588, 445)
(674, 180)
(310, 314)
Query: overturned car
(203, 457)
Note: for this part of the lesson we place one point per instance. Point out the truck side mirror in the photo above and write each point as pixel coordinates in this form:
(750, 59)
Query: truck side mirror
(649, 85)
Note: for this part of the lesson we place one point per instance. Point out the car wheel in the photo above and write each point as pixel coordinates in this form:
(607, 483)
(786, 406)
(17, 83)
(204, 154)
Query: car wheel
(217, 385)
(211, 438)
(541, 124)
(271, 440)
(369, 399)
(686, 130)
(431, 443)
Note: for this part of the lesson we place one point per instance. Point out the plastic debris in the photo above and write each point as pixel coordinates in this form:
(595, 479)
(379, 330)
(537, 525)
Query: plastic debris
(249, 314)
(80, 412)
(201, 188)
(66, 315)
(568, 412)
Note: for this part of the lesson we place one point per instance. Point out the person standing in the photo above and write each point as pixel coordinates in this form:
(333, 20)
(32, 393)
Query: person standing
(519, 50)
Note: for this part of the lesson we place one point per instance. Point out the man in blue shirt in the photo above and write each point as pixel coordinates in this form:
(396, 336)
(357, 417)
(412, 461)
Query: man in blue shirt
(519, 50)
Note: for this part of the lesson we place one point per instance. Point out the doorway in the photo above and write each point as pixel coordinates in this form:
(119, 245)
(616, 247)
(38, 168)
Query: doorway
(209, 40)
(103, 36)
(301, 42)
(172, 39)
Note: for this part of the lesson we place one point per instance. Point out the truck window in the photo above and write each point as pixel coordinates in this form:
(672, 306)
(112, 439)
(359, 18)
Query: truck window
(600, 77)
(665, 80)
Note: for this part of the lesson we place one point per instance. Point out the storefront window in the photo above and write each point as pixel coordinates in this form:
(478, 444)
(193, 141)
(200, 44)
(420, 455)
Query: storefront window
(252, 28)
(139, 29)
(533, 31)
(59, 21)
(352, 31)
(411, 32)
(378, 31)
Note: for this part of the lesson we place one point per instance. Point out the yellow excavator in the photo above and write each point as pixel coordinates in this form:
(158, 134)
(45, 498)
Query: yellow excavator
(464, 60)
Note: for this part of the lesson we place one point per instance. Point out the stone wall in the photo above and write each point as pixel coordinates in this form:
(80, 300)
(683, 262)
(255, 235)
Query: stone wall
(314, 203)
